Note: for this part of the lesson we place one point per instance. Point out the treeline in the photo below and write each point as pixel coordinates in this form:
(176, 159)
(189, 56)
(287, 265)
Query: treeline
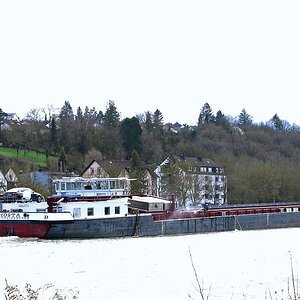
(261, 160)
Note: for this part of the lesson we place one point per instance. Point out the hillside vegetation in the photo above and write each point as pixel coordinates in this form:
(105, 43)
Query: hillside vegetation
(24, 161)
(261, 160)
(33, 158)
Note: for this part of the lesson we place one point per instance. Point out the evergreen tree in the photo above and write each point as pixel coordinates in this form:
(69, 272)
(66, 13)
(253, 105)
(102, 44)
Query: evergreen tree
(67, 128)
(137, 173)
(277, 123)
(206, 116)
(245, 120)
(62, 161)
(158, 119)
(131, 133)
(221, 120)
(79, 115)
(148, 124)
(111, 117)
(66, 112)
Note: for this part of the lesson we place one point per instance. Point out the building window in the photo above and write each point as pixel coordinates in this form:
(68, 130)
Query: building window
(107, 211)
(117, 210)
(90, 211)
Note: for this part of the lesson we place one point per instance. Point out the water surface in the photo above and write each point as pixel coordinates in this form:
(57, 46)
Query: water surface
(232, 265)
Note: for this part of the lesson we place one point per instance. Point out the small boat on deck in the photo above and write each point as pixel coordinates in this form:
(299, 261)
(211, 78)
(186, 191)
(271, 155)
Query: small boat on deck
(104, 208)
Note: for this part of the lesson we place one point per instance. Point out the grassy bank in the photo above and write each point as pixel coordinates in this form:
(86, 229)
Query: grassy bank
(33, 157)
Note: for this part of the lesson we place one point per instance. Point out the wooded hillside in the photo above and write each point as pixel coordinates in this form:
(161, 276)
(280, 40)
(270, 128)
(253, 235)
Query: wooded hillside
(261, 160)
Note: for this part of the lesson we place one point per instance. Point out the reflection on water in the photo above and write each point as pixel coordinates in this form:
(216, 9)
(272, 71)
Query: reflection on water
(232, 264)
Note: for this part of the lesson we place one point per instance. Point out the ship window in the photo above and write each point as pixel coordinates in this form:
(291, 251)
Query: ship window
(76, 212)
(90, 211)
(70, 186)
(117, 210)
(102, 185)
(107, 210)
(117, 184)
(112, 184)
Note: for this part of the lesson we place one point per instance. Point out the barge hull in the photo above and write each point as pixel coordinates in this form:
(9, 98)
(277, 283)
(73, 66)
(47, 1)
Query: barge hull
(24, 229)
(144, 225)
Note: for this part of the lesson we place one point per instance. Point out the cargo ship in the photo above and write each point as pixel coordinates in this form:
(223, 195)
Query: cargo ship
(104, 208)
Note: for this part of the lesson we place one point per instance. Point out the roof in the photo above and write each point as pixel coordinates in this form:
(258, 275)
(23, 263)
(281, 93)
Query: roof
(198, 161)
(120, 164)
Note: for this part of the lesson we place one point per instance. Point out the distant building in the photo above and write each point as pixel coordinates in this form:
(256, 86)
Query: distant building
(12, 117)
(176, 127)
(3, 184)
(8, 119)
(11, 179)
(205, 180)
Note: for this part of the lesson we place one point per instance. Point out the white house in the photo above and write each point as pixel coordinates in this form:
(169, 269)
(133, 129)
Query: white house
(11, 177)
(3, 184)
(205, 180)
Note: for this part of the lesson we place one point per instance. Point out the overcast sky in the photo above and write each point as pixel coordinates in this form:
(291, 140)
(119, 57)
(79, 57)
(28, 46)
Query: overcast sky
(145, 55)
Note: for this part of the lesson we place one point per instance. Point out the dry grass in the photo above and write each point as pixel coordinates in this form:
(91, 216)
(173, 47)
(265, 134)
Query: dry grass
(199, 286)
(292, 291)
(13, 292)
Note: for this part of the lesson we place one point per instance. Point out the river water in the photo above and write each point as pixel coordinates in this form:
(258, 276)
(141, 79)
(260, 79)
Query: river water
(230, 265)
